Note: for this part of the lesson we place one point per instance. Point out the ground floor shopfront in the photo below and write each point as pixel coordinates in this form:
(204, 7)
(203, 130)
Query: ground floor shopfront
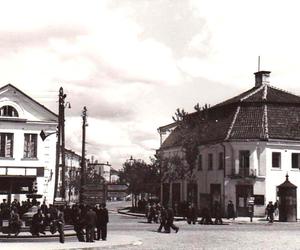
(17, 182)
(243, 192)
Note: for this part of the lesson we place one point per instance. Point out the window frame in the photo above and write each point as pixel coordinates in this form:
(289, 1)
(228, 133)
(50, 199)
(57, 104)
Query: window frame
(274, 153)
(244, 162)
(4, 141)
(8, 111)
(27, 153)
(221, 160)
(297, 160)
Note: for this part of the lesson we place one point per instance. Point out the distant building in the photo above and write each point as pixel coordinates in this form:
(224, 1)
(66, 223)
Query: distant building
(72, 176)
(27, 163)
(246, 146)
(103, 169)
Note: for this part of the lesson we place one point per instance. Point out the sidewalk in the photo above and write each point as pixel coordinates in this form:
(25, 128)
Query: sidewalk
(238, 220)
(114, 239)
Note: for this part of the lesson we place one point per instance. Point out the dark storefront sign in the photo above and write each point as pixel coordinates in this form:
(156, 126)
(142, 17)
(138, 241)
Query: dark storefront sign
(94, 194)
(17, 185)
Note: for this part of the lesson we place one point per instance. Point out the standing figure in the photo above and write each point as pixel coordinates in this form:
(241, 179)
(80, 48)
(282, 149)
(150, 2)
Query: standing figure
(230, 210)
(192, 215)
(102, 220)
(218, 213)
(90, 223)
(15, 222)
(60, 227)
(170, 221)
(37, 226)
(78, 221)
(270, 211)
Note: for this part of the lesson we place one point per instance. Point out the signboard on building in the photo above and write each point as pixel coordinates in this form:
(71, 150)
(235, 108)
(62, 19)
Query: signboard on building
(94, 194)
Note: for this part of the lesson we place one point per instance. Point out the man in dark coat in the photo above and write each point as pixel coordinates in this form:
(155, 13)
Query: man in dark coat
(230, 210)
(162, 218)
(90, 223)
(78, 221)
(270, 211)
(170, 221)
(192, 214)
(37, 223)
(102, 220)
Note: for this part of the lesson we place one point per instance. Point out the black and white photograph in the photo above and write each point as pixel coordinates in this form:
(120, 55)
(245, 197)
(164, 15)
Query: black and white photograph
(149, 124)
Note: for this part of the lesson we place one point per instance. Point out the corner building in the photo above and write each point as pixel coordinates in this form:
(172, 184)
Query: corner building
(246, 146)
(27, 163)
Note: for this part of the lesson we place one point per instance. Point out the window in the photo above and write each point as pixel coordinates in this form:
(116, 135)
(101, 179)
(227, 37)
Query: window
(276, 160)
(210, 161)
(244, 163)
(221, 160)
(295, 160)
(6, 145)
(199, 162)
(30, 145)
(8, 111)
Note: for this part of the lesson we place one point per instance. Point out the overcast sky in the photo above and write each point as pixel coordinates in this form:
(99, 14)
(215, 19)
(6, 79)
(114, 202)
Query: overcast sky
(133, 62)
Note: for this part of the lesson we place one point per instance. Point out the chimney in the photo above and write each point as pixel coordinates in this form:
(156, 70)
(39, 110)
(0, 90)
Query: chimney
(262, 78)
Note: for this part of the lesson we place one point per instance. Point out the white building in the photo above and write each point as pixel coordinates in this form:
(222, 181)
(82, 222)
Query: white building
(246, 146)
(26, 161)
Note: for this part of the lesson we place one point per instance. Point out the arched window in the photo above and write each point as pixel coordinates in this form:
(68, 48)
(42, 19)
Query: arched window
(8, 111)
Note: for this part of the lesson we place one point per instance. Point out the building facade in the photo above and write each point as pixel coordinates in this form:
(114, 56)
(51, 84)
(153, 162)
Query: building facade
(245, 147)
(27, 163)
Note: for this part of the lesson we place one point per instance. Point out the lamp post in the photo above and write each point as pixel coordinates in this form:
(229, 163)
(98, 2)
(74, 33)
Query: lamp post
(82, 177)
(131, 161)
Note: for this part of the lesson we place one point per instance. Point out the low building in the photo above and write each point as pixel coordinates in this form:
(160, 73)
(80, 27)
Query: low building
(27, 163)
(245, 147)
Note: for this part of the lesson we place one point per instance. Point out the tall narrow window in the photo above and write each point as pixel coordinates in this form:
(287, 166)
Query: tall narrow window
(244, 163)
(295, 160)
(276, 160)
(210, 161)
(221, 160)
(30, 145)
(6, 145)
(199, 162)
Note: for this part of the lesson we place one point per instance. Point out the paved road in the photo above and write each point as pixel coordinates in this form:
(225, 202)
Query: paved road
(231, 236)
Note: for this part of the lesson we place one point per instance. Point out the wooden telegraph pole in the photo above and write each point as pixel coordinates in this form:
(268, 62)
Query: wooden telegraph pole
(83, 163)
(60, 144)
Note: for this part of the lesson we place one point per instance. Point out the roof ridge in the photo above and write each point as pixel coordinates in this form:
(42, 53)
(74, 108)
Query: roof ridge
(253, 93)
(233, 122)
(283, 90)
(264, 97)
(265, 122)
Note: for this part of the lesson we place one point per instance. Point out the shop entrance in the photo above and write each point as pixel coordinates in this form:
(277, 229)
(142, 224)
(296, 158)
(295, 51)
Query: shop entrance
(243, 192)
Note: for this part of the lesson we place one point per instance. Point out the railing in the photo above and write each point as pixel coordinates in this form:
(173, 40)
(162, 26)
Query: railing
(243, 173)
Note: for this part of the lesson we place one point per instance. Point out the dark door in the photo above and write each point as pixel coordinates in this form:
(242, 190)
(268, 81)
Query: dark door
(175, 194)
(243, 193)
(166, 193)
(192, 191)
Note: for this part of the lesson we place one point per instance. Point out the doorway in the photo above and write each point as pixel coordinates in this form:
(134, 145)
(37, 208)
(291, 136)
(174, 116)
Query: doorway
(243, 192)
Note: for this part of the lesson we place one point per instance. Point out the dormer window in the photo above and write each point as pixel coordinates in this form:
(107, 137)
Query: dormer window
(8, 111)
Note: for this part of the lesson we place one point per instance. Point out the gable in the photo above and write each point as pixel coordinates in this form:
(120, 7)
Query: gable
(27, 107)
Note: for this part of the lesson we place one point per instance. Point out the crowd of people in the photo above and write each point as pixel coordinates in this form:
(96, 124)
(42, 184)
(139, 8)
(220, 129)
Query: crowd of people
(90, 223)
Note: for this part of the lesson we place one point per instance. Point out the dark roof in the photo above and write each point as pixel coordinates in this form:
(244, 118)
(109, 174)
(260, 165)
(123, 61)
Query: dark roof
(261, 113)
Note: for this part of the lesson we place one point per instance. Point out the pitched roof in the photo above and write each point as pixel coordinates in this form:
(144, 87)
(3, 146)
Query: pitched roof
(27, 96)
(260, 113)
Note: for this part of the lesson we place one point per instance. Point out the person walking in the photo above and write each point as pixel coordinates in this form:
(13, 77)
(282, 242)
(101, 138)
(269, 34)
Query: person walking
(162, 219)
(90, 220)
(15, 222)
(270, 211)
(170, 221)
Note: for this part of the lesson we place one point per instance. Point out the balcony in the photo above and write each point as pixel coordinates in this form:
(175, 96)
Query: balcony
(243, 173)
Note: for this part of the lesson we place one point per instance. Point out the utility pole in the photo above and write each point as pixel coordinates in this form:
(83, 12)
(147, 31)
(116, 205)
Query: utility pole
(63, 158)
(82, 177)
(60, 144)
